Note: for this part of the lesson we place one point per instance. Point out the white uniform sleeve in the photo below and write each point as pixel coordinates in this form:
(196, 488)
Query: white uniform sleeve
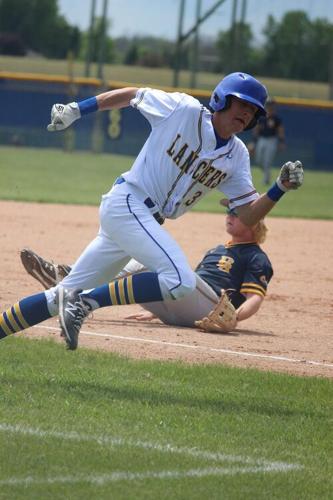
(156, 105)
(239, 188)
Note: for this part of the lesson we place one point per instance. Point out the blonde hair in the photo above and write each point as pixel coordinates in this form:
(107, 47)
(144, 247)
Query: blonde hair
(260, 231)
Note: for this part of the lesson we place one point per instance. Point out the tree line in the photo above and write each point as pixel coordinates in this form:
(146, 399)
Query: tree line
(294, 47)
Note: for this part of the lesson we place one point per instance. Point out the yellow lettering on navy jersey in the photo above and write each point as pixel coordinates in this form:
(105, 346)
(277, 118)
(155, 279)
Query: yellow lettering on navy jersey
(263, 280)
(225, 263)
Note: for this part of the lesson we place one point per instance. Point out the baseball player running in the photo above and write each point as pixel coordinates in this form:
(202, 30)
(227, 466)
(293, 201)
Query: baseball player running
(240, 267)
(189, 152)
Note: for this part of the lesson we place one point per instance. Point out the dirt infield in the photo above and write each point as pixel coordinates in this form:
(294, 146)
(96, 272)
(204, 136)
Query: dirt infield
(291, 333)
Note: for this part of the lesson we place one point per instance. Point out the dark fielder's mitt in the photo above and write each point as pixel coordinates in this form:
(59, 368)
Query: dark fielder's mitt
(222, 319)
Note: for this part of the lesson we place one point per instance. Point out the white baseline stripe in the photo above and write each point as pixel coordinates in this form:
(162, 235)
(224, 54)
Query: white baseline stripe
(100, 480)
(198, 347)
(115, 441)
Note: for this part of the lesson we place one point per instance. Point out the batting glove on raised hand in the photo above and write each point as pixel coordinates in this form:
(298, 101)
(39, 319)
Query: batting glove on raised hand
(63, 115)
(291, 176)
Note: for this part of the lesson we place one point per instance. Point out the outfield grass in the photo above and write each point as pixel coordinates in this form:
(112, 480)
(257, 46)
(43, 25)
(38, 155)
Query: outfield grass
(53, 176)
(159, 76)
(94, 425)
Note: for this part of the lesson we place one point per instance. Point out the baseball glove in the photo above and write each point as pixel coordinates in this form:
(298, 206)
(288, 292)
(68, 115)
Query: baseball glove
(222, 319)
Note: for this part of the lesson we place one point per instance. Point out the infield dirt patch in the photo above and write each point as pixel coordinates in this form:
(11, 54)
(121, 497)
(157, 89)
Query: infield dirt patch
(295, 321)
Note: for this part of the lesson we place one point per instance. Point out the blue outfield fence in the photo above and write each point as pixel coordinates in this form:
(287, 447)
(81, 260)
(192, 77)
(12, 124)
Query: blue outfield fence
(26, 101)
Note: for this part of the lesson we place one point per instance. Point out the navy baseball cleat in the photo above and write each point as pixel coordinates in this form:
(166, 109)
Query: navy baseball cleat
(72, 313)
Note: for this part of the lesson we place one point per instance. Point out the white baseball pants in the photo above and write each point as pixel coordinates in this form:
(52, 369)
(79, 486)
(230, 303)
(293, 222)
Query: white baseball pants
(128, 229)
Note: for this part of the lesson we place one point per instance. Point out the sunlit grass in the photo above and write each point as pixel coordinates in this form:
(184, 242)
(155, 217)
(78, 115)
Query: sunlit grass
(52, 176)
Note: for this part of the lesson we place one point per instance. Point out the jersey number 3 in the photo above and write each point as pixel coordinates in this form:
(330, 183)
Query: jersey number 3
(194, 198)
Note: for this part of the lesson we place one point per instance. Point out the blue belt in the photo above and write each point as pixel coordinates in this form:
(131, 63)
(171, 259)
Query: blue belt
(148, 202)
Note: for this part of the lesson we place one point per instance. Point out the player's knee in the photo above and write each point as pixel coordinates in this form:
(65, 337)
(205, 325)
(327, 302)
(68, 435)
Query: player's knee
(176, 287)
(182, 290)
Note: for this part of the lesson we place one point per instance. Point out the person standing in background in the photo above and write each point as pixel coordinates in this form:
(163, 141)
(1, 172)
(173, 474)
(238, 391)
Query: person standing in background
(268, 138)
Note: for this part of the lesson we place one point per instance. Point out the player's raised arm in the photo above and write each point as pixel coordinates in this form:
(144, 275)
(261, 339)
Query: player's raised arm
(63, 115)
(291, 177)
(115, 99)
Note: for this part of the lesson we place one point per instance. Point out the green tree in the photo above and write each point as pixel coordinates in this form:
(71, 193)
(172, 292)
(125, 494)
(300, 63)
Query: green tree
(149, 51)
(39, 26)
(235, 50)
(320, 50)
(132, 55)
(297, 47)
(61, 38)
(11, 45)
(95, 41)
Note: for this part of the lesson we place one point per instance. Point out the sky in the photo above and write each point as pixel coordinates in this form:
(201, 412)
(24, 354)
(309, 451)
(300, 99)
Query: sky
(160, 17)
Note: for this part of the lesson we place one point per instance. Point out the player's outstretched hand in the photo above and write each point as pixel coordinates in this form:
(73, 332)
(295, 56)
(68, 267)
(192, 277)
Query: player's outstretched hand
(63, 115)
(142, 316)
(291, 176)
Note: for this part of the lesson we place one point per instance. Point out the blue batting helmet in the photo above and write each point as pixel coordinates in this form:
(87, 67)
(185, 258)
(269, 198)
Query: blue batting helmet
(243, 86)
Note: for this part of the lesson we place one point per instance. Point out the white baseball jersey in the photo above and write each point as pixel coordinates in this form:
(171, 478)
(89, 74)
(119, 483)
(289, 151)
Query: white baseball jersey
(179, 163)
(177, 166)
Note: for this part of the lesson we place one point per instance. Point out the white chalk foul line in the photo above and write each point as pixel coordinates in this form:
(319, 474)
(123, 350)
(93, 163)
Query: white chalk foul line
(100, 480)
(105, 440)
(198, 347)
(253, 465)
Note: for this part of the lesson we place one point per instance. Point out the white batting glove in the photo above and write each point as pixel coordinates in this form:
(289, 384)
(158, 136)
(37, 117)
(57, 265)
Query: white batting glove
(291, 176)
(63, 115)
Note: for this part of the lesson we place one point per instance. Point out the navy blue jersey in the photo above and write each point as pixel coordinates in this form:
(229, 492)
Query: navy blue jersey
(241, 268)
(268, 126)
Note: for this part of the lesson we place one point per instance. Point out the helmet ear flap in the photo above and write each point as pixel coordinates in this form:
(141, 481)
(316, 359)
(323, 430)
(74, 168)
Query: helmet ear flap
(220, 103)
(228, 100)
(217, 101)
(216, 98)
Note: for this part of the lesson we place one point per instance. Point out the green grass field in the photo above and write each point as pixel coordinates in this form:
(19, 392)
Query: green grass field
(89, 424)
(93, 425)
(158, 76)
(46, 175)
